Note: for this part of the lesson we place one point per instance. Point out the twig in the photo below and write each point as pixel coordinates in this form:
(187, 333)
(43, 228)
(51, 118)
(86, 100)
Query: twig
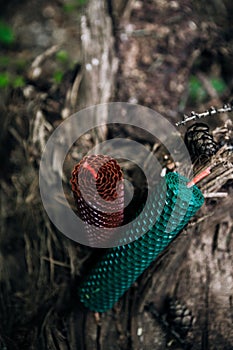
(55, 262)
(28, 254)
(207, 85)
(216, 195)
(41, 58)
(211, 111)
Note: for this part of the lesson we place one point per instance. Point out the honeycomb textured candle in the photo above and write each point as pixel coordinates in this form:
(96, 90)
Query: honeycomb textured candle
(98, 189)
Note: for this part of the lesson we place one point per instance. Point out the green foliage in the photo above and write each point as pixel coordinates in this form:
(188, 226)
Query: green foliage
(57, 76)
(11, 71)
(63, 63)
(4, 80)
(13, 62)
(69, 7)
(20, 63)
(18, 81)
(6, 33)
(62, 56)
(219, 85)
(7, 80)
(81, 2)
(196, 91)
(74, 5)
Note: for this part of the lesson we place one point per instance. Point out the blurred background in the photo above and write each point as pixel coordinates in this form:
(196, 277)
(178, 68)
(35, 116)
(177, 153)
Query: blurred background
(57, 57)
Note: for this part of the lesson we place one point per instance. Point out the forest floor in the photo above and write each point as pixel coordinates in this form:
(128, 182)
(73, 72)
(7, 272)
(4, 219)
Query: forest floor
(172, 57)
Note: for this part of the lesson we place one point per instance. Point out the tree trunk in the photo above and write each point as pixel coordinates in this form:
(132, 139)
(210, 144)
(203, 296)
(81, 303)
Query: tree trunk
(126, 52)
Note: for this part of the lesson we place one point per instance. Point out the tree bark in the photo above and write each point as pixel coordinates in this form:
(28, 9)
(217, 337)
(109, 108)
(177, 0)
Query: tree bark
(40, 268)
